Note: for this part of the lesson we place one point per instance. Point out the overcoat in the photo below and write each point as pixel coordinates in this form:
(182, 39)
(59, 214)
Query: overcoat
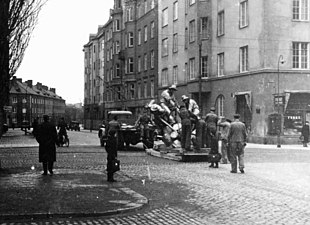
(47, 139)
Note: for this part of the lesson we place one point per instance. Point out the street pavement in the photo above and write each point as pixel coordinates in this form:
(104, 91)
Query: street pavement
(275, 188)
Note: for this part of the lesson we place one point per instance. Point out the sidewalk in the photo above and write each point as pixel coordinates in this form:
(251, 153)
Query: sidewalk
(26, 193)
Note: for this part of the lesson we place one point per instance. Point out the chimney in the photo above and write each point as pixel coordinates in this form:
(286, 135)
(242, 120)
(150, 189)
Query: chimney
(44, 87)
(53, 90)
(29, 83)
(19, 80)
(39, 85)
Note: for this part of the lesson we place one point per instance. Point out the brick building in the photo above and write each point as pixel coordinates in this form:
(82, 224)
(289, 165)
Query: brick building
(30, 101)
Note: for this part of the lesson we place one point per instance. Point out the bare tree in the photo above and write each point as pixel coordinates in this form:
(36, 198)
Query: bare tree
(17, 21)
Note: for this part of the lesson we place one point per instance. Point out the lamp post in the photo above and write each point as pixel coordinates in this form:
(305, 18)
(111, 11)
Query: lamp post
(280, 60)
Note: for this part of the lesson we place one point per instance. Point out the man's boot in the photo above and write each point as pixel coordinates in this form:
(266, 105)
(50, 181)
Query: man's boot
(44, 168)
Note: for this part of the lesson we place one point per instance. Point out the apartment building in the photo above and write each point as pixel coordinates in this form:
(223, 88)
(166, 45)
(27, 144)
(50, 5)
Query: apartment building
(241, 56)
(29, 102)
(121, 61)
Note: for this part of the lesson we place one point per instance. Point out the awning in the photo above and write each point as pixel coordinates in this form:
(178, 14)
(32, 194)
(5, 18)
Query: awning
(297, 100)
(248, 97)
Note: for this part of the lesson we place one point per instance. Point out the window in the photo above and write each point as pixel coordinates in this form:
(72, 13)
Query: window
(204, 27)
(175, 75)
(243, 14)
(192, 68)
(145, 6)
(165, 17)
(175, 10)
(139, 37)
(152, 4)
(118, 70)
(117, 25)
(139, 64)
(204, 66)
(129, 14)
(152, 29)
(243, 58)
(220, 105)
(145, 33)
(186, 6)
(130, 39)
(117, 46)
(175, 43)
(186, 74)
(14, 100)
(108, 55)
(130, 64)
(152, 88)
(152, 59)
(145, 90)
(126, 66)
(164, 77)
(165, 47)
(111, 73)
(220, 23)
(24, 100)
(111, 53)
(301, 10)
(300, 55)
(192, 2)
(132, 91)
(118, 90)
(145, 61)
(192, 31)
(14, 110)
(220, 64)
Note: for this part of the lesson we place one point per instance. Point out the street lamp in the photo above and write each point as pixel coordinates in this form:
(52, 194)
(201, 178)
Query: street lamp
(280, 60)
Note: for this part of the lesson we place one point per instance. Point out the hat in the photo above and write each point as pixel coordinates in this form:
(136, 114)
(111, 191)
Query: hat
(184, 97)
(212, 109)
(237, 116)
(173, 87)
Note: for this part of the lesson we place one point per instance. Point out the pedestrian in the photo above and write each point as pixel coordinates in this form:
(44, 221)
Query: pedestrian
(111, 147)
(305, 132)
(211, 126)
(224, 124)
(237, 141)
(143, 123)
(62, 127)
(186, 129)
(47, 139)
(197, 123)
(169, 103)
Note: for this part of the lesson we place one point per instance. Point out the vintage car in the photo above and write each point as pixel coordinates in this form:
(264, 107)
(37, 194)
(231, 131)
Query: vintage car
(74, 125)
(128, 134)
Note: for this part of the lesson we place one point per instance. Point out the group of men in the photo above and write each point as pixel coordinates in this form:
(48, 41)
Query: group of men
(202, 133)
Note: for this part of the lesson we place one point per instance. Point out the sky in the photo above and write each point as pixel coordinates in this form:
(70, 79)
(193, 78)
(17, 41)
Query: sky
(54, 56)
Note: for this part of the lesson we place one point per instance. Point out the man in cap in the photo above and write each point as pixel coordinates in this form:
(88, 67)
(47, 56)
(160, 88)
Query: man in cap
(169, 103)
(211, 126)
(193, 109)
(237, 140)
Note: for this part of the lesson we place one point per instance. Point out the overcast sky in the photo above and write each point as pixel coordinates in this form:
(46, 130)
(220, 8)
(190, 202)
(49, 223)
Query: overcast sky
(54, 56)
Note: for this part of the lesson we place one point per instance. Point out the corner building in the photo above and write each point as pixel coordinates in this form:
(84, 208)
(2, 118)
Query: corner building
(241, 56)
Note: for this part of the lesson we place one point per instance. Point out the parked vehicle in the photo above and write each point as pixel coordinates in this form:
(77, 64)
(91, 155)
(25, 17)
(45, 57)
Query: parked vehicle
(74, 125)
(128, 134)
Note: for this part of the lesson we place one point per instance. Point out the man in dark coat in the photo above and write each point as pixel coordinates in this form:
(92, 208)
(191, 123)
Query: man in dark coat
(186, 129)
(111, 146)
(47, 139)
(305, 132)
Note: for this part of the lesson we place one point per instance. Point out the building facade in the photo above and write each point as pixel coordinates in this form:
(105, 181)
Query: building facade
(240, 56)
(253, 60)
(121, 61)
(29, 102)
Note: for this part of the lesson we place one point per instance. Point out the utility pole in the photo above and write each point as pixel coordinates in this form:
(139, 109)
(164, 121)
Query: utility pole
(200, 75)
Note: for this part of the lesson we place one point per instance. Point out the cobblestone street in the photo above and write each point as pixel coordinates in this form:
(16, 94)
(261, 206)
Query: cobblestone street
(275, 188)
